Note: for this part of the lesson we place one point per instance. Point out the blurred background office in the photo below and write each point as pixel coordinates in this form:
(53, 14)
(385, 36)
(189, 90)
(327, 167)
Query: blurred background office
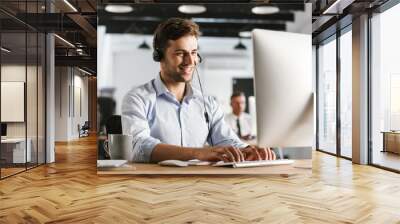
(125, 44)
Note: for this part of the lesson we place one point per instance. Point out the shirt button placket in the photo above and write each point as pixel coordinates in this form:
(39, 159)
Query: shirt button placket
(181, 122)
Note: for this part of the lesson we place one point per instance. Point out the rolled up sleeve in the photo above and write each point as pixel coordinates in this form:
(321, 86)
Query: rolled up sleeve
(135, 123)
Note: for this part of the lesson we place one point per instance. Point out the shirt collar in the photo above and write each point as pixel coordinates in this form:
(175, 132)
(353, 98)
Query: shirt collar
(159, 86)
(162, 89)
(237, 117)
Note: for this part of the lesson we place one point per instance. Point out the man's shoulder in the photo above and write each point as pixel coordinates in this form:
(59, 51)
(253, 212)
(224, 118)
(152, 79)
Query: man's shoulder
(142, 91)
(246, 116)
(143, 94)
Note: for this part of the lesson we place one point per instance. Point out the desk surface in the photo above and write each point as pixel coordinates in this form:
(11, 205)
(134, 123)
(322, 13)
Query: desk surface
(298, 167)
(13, 140)
(390, 132)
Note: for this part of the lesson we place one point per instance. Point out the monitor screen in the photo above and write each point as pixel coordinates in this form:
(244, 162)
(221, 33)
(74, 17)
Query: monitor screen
(283, 88)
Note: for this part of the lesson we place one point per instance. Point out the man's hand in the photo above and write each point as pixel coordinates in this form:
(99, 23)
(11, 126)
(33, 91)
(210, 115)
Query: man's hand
(257, 153)
(218, 153)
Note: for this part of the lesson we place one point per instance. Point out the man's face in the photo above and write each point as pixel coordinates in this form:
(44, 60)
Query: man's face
(179, 59)
(238, 104)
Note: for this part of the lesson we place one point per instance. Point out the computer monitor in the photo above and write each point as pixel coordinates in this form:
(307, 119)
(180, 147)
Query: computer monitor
(283, 88)
(3, 129)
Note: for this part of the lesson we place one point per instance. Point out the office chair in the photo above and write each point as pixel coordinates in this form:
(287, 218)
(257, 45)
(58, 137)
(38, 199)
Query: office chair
(84, 129)
(113, 125)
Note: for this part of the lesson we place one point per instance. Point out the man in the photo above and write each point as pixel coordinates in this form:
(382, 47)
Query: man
(169, 119)
(240, 121)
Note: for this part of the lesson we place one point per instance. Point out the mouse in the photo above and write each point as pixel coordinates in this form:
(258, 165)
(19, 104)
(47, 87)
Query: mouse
(171, 162)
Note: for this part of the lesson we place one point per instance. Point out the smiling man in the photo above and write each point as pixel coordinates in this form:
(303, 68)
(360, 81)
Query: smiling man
(169, 118)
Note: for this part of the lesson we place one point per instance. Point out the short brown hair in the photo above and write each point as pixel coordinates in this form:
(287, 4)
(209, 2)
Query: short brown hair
(173, 29)
(237, 93)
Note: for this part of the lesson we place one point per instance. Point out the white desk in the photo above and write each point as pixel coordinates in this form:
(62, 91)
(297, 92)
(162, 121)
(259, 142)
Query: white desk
(17, 146)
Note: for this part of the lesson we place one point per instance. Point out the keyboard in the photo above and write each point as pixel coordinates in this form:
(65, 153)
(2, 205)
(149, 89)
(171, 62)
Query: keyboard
(111, 163)
(255, 163)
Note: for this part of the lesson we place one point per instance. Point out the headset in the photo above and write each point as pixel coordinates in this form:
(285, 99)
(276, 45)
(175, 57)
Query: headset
(158, 55)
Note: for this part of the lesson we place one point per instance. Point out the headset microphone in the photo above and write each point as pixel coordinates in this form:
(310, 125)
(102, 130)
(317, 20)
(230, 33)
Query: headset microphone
(204, 102)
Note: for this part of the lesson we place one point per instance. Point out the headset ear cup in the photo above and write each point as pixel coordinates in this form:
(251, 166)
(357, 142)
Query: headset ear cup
(156, 55)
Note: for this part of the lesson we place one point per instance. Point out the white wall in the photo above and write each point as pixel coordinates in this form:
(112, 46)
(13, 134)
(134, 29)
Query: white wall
(61, 103)
(302, 21)
(131, 68)
(69, 84)
(18, 73)
(33, 125)
(314, 84)
(80, 82)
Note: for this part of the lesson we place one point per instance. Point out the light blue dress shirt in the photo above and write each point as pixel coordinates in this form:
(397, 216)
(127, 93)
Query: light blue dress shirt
(152, 115)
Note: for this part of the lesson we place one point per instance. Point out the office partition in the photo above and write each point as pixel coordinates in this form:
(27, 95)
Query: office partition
(22, 77)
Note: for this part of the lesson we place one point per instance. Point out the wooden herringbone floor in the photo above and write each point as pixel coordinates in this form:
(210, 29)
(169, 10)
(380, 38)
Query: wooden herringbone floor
(69, 191)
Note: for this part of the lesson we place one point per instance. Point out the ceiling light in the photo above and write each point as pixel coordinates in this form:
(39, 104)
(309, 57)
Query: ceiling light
(84, 71)
(5, 50)
(144, 45)
(192, 9)
(240, 46)
(65, 41)
(337, 7)
(70, 5)
(119, 8)
(263, 10)
(245, 34)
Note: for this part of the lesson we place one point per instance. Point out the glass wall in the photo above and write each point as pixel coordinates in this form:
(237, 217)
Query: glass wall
(385, 88)
(13, 86)
(346, 92)
(335, 74)
(22, 89)
(327, 95)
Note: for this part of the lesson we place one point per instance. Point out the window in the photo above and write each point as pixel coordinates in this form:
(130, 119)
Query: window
(346, 93)
(327, 96)
(385, 88)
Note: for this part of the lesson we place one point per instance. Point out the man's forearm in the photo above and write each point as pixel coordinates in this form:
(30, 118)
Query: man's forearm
(165, 151)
